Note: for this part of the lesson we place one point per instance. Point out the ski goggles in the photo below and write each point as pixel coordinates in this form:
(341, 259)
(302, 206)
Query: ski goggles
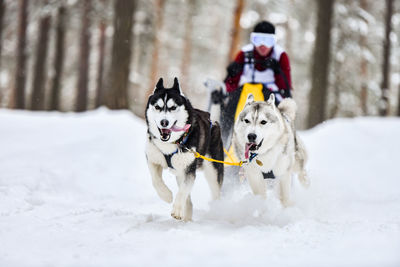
(267, 39)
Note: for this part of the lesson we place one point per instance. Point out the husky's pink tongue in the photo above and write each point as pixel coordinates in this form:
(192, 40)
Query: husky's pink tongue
(246, 150)
(178, 129)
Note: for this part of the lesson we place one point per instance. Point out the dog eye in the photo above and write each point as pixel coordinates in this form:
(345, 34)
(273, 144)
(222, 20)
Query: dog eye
(263, 122)
(157, 107)
(246, 121)
(173, 108)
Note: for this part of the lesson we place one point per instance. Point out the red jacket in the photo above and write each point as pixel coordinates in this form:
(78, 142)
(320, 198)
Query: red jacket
(233, 82)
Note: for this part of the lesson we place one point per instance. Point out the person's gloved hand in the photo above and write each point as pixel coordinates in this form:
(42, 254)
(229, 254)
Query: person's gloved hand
(285, 93)
(234, 69)
(216, 96)
(271, 63)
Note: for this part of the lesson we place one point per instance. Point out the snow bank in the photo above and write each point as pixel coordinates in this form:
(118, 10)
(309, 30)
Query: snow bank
(75, 191)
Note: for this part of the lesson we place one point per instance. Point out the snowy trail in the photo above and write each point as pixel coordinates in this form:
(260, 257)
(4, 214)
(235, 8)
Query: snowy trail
(75, 191)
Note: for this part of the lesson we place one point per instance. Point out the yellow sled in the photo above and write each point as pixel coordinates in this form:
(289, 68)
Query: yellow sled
(248, 88)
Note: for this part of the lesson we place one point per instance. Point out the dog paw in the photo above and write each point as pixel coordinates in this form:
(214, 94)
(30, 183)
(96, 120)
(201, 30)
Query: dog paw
(178, 212)
(305, 182)
(287, 203)
(165, 194)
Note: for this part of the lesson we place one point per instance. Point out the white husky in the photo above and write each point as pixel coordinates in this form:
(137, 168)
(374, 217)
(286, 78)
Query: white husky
(264, 135)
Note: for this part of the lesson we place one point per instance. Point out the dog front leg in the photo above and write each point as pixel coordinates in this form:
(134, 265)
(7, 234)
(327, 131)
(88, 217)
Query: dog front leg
(256, 180)
(156, 175)
(182, 208)
(285, 182)
(189, 208)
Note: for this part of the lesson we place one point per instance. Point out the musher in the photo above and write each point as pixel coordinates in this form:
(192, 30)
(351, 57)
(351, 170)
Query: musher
(260, 62)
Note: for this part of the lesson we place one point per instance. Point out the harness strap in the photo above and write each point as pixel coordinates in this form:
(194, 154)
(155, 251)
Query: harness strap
(249, 59)
(268, 175)
(197, 155)
(181, 145)
(168, 159)
(252, 156)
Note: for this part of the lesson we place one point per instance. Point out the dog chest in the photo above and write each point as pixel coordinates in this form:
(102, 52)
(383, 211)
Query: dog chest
(155, 155)
(171, 157)
(277, 162)
(181, 160)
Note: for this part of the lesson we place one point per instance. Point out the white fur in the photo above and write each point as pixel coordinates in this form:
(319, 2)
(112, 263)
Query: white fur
(215, 112)
(288, 107)
(210, 173)
(278, 151)
(170, 103)
(160, 103)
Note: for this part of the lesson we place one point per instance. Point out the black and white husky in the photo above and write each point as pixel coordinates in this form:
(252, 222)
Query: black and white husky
(175, 128)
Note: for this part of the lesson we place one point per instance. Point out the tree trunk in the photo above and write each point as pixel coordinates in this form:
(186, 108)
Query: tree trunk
(39, 70)
(364, 83)
(100, 69)
(187, 47)
(156, 47)
(398, 102)
(58, 60)
(336, 84)
(318, 94)
(364, 66)
(82, 94)
(289, 38)
(121, 55)
(384, 107)
(18, 100)
(236, 30)
(2, 11)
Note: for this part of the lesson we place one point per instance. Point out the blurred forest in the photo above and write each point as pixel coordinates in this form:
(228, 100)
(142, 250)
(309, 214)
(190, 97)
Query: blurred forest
(76, 55)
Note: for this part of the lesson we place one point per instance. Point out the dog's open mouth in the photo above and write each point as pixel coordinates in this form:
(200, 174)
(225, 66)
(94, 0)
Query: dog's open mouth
(165, 134)
(251, 147)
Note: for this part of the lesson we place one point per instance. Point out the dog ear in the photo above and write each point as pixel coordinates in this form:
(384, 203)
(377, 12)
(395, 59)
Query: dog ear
(176, 86)
(250, 99)
(271, 99)
(159, 85)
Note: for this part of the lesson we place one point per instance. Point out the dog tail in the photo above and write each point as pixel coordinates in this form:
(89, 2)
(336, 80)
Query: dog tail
(288, 107)
(303, 178)
(301, 159)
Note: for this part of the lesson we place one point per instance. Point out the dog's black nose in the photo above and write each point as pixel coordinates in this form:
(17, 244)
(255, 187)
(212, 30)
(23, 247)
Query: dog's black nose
(164, 123)
(252, 137)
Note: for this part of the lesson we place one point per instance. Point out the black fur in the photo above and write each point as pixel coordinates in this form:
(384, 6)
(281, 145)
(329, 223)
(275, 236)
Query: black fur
(203, 136)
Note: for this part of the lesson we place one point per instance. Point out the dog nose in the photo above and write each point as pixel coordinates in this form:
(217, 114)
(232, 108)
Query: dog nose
(164, 123)
(252, 137)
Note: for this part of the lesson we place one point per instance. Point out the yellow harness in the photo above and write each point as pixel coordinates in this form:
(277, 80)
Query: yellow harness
(248, 88)
(240, 163)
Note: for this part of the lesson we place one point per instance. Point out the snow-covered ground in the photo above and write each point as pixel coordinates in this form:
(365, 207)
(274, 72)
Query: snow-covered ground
(75, 191)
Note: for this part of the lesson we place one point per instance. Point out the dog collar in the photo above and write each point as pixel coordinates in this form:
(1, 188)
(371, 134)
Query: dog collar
(266, 175)
(181, 144)
(252, 156)
(182, 140)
